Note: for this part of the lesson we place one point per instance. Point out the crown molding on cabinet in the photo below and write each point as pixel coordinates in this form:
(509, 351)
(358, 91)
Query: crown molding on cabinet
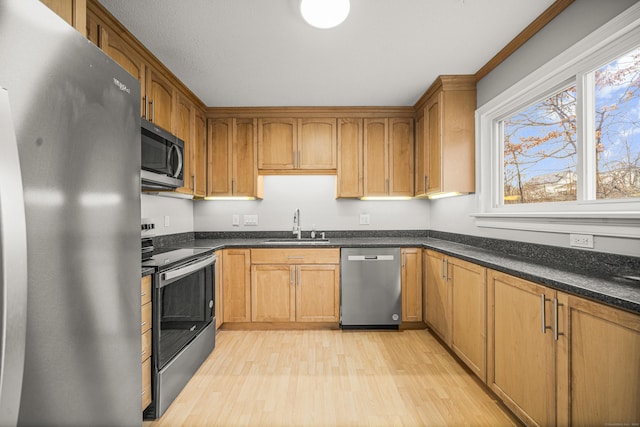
(314, 112)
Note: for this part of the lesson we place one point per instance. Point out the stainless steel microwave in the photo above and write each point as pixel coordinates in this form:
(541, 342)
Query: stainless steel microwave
(162, 158)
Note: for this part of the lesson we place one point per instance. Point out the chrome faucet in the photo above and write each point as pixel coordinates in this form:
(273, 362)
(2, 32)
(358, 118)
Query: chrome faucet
(297, 230)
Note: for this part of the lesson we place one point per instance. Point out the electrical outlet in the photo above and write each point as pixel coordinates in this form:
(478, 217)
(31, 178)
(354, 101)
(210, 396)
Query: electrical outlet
(167, 221)
(235, 220)
(251, 220)
(365, 219)
(581, 240)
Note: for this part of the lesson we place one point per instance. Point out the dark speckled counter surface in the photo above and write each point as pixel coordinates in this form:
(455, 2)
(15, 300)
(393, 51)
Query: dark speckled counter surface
(600, 277)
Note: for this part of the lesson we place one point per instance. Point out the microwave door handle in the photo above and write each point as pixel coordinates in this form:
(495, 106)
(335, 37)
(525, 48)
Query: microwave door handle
(178, 154)
(186, 270)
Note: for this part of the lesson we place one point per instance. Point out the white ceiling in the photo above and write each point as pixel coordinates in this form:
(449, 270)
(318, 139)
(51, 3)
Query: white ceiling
(234, 53)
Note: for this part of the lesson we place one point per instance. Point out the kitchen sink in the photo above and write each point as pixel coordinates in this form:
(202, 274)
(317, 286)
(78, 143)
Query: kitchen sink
(293, 241)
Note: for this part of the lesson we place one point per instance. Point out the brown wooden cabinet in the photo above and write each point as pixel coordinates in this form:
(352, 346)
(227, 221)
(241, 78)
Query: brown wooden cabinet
(200, 154)
(349, 180)
(295, 285)
(145, 300)
(236, 285)
(456, 307)
(160, 99)
(232, 159)
(598, 373)
(522, 362)
(388, 157)
(297, 145)
(438, 312)
(411, 284)
(185, 130)
(72, 11)
(448, 134)
(421, 161)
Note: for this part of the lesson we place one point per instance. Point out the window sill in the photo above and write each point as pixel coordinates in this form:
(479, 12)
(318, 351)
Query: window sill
(614, 224)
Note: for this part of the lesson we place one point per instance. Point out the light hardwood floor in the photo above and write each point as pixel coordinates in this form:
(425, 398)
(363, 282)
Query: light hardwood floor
(332, 378)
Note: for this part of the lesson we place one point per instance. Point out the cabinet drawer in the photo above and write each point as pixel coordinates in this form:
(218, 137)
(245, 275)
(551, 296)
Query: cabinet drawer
(145, 290)
(146, 345)
(295, 256)
(146, 383)
(145, 323)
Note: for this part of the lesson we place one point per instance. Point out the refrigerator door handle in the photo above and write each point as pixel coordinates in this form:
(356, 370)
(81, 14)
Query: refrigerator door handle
(13, 269)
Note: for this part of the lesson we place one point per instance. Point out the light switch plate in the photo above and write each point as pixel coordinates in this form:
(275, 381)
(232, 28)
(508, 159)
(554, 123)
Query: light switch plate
(251, 220)
(235, 220)
(365, 219)
(167, 221)
(581, 240)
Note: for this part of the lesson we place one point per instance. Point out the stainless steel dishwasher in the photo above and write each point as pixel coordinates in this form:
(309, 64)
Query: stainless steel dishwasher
(370, 288)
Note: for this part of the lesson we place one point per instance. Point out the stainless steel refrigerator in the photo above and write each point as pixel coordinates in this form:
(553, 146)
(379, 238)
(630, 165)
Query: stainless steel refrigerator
(69, 227)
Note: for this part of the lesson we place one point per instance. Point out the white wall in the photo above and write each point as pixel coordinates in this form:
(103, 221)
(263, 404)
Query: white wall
(578, 20)
(315, 197)
(156, 208)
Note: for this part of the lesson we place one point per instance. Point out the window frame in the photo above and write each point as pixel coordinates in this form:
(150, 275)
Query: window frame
(609, 217)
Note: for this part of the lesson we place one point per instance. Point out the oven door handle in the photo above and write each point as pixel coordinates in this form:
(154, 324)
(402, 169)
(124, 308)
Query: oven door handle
(186, 270)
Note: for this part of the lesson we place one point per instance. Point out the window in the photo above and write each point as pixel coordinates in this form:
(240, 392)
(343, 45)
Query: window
(560, 150)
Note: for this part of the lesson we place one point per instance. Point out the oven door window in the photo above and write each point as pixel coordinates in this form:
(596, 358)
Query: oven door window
(185, 307)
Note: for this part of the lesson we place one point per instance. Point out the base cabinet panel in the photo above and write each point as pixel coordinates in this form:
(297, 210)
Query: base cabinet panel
(236, 285)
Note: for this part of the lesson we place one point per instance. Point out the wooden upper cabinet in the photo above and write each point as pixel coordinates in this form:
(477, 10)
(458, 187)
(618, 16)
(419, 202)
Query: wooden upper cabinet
(317, 145)
(72, 11)
(376, 157)
(277, 143)
(388, 157)
(200, 154)
(421, 165)
(350, 168)
(232, 157)
(449, 132)
(160, 98)
(185, 130)
(297, 145)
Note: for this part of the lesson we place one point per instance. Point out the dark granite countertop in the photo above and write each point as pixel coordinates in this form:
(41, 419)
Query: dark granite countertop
(605, 285)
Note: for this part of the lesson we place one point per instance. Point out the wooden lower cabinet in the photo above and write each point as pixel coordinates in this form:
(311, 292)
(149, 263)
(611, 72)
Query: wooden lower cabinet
(598, 365)
(145, 323)
(295, 285)
(438, 312)
(236, 285)
(411, 284)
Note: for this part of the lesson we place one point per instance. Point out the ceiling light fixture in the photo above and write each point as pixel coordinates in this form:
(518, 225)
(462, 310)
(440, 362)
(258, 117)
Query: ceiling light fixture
(324, 13)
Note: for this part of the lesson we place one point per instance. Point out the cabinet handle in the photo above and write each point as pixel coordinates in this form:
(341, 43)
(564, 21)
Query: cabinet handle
(146, 106)
(295, 158)
(387, 185)
(555, 319)
(292, 277)
(404, 261)
(442, 269)
(233, 186)
(424, 183)
(194, 182)
(153, 111)
(543, 300)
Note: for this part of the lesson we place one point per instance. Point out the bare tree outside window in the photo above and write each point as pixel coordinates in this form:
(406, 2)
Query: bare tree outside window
(617, 133)
(540, 147)
(540, 152)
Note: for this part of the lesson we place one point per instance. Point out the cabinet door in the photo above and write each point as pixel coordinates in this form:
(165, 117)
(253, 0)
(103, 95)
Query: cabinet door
(521, 367)
(376, 157)
(316, 144)
(438, 299)
(245, 167)
(401, 157)
(599, 372)
(318, 293)
(128, 58)
(458, 140)
(236, 285)
(277, 143)
(160, 98)
(200, 154)
(72, 11)
(433, 134)
(411, 284)
(273, 293)
(219, 164)
(219, 292)
(468, 314)
(421, 158)
(185, 131)
(349, 179)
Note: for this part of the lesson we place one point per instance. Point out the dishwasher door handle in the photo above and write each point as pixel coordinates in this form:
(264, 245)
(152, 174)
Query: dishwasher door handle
(370, 258)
